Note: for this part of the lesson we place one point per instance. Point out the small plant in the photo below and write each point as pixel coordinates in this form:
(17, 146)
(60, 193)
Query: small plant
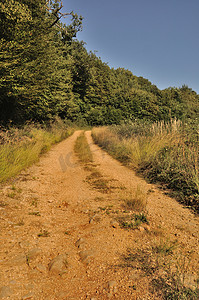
(136, 201)
(133, 222)
(3, 204)
(35, 213)
(34, 202)
(165, 247)
(43, 233)
(20, 223)
(11, 195)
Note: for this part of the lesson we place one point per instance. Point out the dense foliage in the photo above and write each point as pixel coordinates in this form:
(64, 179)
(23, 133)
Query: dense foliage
(167, 153)
(45, 72)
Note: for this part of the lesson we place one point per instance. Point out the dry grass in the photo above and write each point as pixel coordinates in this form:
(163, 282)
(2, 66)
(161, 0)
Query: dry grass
(135, 200)
(166, 153)
(82, 149)
(19, 148)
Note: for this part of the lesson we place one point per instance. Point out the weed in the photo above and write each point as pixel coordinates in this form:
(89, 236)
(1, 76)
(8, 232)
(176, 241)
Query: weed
(43, 233)
(165, 247)
(20, 223)
(35, 213)
(136, 201)
(34, 202)
(3, 204)
(11, 195)
(132, 221)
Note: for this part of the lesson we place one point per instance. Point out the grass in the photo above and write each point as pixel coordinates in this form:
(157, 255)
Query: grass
(136, 201)
(43, 233)
(19, 148)
(132, 221)
(160, 265)
(35, 213)
(82, 149)
(163, 152)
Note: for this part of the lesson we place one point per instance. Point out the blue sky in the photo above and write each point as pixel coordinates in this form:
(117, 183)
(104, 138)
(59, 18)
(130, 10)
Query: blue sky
(156, 39)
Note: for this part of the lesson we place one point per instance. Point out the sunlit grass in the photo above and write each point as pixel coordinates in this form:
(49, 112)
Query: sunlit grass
(21, 148)
(163, 152)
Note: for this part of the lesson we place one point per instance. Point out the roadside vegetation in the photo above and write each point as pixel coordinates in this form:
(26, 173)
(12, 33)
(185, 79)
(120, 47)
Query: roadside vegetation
(19, 148)
(167, 153)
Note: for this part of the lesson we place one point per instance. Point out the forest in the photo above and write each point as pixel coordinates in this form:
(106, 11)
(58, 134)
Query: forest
(45, 72)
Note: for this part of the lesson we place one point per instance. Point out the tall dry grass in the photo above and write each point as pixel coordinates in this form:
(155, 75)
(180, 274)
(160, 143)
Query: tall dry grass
(163, 152)
(19, 148)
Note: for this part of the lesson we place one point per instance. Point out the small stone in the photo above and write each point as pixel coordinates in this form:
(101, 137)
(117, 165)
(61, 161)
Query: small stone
(141, 229)
(18, 260)
(86, 256)
(91, 221)
(79, 242)
(5, 291)
(24, 244)
(112, 286)
(41, 268)
(114, 224)
(33, 253)
(147, 227)
(58, 265)
(28, 296)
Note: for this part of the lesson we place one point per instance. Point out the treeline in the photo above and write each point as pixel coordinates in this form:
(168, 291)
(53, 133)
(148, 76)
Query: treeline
(46, 72)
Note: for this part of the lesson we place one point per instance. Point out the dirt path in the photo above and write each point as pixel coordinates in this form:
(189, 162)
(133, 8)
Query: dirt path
(59, 238)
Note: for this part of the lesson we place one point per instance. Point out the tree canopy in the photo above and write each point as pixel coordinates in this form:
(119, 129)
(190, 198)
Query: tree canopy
(45, 71)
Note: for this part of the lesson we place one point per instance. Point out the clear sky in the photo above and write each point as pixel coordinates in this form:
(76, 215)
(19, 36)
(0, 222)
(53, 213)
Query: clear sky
(155, 39)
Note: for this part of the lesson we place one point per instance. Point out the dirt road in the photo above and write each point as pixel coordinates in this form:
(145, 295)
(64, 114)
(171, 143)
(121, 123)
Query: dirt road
(59, 238)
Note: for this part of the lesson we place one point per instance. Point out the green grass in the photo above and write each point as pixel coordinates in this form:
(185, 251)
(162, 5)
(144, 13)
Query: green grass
(164, 153)
(133, 222)
(20, 148)
(82, 149)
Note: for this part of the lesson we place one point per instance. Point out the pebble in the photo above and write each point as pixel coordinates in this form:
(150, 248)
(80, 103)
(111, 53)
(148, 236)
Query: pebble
(5, 291)
(147, 227)
(114, 224)
(28, 296)
(18, 260)
(86, 256)
(24, 244)
(33, 253)
(141, 229)
(79, 242)
(112, 285)
(41, 268)
(58, 265)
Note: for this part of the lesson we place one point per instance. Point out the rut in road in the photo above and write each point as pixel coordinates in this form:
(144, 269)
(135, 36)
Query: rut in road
(60, 232)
